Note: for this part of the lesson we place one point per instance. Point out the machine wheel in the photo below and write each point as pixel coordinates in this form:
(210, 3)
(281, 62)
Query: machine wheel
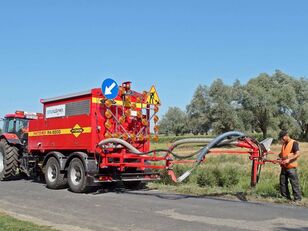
(8, 160)
(77, 179)
(53, 177)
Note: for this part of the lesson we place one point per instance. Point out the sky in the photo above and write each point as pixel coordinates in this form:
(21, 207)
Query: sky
(51, 48)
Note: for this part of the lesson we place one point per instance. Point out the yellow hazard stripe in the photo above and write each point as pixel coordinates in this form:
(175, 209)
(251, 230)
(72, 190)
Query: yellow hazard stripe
(55, 132)
(118, 102)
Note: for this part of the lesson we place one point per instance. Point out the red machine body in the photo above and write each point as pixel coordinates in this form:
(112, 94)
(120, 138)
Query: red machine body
(78, 122)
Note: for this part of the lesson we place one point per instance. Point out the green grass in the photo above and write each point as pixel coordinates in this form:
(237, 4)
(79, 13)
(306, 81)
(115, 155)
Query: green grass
(229, 175)
(8, 223)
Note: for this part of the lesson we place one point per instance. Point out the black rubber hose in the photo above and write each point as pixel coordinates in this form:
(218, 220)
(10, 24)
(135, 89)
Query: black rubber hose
(167, 151)
(216, 142)
(135, 151)
(190, 141)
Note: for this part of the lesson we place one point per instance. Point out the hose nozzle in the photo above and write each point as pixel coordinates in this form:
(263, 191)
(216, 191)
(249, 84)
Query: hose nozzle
(184, 176)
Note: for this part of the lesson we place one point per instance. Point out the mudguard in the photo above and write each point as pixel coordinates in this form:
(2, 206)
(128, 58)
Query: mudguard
(11, 138)
(59, 156)
(90, 164)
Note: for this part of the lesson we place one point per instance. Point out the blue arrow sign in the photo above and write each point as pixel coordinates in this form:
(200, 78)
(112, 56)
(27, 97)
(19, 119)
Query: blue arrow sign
(110, 88)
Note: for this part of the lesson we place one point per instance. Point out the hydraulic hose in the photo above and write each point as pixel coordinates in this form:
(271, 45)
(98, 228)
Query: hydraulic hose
(190, 141)
(214, 143)
(202, 141)
(135, 151)
(218, 141)
(122, 142)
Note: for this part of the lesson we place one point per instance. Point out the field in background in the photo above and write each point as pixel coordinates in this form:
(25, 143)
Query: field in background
(229, 176)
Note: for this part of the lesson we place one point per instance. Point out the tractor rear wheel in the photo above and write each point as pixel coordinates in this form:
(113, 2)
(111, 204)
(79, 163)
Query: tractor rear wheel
(53, 177)
(77, 179)
(8, 160)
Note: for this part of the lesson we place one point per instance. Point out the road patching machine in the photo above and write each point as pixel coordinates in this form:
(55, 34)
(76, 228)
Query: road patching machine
(88, 138)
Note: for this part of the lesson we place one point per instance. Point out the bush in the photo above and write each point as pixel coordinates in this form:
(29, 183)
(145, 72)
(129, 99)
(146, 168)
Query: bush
(267, 189)
(225, 159)
(206, 178)
(217, 172)
(269, 184)
(303, 176)
(221, 177)
(230, 176)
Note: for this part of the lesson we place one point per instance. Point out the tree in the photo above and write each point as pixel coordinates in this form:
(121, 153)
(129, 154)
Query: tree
(261, 99)
(265, 104)
(174, 121)
(198, 111)
(245, 117)
(286, 101)
(300, 109)
(224, 108)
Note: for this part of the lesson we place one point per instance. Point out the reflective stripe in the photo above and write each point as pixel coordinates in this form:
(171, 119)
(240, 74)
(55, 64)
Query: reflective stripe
(66, 131)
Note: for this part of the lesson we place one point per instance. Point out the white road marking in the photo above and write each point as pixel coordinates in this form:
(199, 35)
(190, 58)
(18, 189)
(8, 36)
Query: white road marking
(265, 225)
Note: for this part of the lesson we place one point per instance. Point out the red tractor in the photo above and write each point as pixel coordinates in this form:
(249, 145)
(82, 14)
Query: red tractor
(13, 143)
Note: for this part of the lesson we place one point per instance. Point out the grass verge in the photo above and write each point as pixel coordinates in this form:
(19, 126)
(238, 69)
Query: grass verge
(229, 176)
(8, 223)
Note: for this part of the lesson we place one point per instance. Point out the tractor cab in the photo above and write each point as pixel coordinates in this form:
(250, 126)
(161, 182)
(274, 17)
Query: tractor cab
(16, 126)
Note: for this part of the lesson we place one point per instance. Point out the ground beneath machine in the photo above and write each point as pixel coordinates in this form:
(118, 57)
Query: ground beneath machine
(142, 210)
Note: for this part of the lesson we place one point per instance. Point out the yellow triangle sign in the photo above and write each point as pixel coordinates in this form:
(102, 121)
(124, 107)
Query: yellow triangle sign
(153, 97)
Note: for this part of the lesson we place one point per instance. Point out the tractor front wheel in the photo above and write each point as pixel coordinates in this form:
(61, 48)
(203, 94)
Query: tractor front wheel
(77, 179)
(8, 160)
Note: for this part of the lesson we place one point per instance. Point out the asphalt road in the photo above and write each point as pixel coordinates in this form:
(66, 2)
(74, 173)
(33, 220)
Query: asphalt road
(143, 210)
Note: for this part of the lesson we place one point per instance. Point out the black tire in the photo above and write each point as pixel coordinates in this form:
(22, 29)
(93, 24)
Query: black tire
(8, 160)
(53, 176)
(77, 179)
